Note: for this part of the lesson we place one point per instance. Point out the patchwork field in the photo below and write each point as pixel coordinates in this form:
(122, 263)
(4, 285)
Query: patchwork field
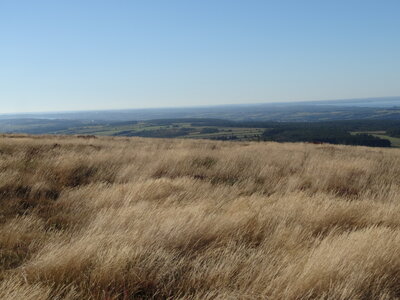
(135, 218)
(354, 132)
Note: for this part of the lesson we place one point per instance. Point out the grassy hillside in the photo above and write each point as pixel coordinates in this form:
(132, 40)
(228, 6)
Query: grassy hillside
(134, 218)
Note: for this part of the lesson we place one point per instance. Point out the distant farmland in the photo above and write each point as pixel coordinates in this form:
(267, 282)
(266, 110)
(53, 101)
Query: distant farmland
(353, 132)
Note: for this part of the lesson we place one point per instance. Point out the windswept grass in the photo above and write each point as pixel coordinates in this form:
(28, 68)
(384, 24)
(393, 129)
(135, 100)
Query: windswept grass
(118, 218)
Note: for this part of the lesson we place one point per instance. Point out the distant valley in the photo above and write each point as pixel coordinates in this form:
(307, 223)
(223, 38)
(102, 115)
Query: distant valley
(367, 122)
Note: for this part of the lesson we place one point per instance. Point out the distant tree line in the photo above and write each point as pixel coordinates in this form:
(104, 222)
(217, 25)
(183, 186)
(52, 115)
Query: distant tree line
(347, 125)
(157, 133)
(323, 135)
(395, 132)
(208, 130)
(225, 137)
(332, 132)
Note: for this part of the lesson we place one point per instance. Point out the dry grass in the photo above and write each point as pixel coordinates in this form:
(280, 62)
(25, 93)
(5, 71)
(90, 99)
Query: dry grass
(86, 218)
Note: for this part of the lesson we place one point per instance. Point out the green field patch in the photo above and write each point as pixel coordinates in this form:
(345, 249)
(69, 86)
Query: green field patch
(382, 135)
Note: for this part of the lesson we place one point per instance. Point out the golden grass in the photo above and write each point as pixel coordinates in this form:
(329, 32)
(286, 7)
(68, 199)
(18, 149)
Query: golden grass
(116, 218)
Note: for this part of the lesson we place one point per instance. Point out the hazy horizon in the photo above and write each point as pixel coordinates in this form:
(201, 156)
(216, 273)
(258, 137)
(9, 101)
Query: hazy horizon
(384, 102)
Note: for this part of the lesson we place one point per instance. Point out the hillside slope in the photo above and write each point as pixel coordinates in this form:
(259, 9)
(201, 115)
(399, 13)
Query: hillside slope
(132, 218)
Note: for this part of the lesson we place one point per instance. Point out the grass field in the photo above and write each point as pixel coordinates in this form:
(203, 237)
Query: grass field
(134, 218)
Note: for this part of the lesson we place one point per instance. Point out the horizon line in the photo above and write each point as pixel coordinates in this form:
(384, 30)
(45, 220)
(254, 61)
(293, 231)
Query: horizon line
(194, 106)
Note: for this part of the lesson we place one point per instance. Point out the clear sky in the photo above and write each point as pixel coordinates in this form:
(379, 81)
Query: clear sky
(95, 54)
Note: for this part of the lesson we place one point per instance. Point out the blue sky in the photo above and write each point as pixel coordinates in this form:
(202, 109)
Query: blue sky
(86, 54)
